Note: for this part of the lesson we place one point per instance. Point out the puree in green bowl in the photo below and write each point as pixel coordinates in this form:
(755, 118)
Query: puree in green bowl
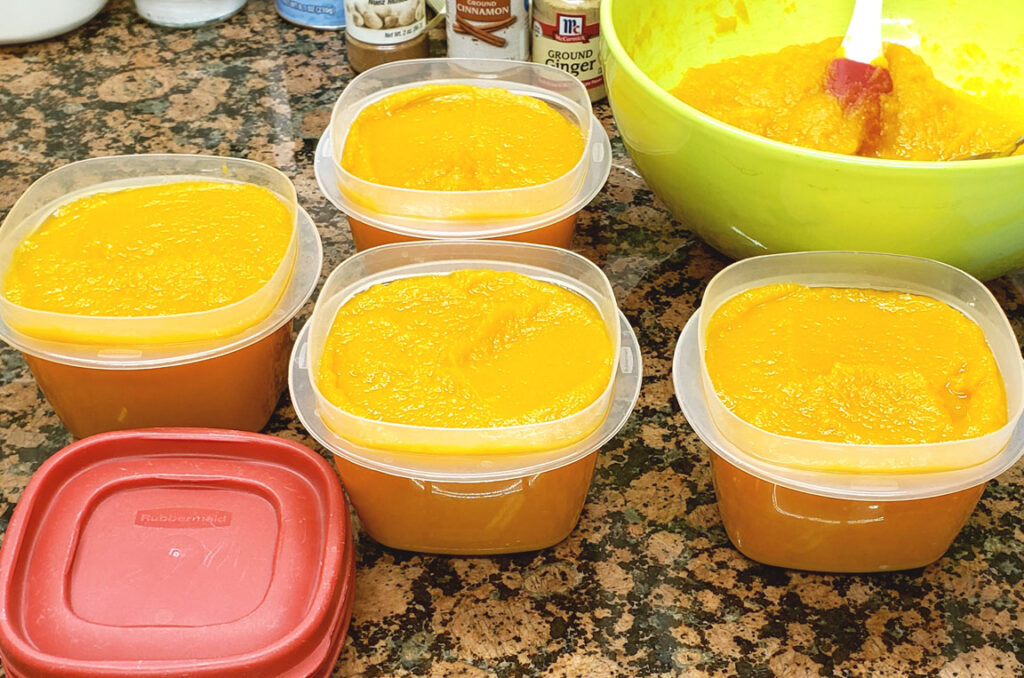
(746, 195)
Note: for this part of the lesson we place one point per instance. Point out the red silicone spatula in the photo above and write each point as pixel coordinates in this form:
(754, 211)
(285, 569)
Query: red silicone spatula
(859, 72)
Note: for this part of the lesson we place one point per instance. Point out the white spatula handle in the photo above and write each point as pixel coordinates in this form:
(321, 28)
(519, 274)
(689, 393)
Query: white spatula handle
(863, 40)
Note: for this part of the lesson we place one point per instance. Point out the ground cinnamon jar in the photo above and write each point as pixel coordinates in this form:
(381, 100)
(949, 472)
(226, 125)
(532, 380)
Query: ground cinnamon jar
(492, 29)
(567, 35)
(380, 31)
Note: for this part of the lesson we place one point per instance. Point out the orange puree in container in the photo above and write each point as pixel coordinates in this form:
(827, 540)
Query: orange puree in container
(854, 366)
(472, 349)
(153, 250)
(782, 96)
(461, 138)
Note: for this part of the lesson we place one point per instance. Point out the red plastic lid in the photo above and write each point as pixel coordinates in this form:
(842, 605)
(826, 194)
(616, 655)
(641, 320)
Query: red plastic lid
(174, 552)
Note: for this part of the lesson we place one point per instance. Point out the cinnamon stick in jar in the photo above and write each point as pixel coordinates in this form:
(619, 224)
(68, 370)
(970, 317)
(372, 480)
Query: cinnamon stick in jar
(492, 29)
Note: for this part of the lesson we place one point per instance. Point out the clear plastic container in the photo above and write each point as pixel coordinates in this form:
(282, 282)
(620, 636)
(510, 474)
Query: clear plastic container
(379, 265)
(555, 228)
(561, 91)
(876, 271)
(468, 504)
(544, 214)
(500, 490)
(97, 175)
(862, 521)
(231, 379)
(187, 13)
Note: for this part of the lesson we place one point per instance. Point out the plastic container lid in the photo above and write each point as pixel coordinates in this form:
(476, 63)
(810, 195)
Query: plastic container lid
(391, 262)
(463, 467)
(177, 552)
(599, 163)
(301, 283)
(97, 175)
(561, 91)
(738, 442)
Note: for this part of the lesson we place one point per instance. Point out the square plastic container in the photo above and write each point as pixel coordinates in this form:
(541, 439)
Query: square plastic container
(177, 552)
(223, 368)
(802, 518)
(543, 214)
(498, 490)
(380, 265)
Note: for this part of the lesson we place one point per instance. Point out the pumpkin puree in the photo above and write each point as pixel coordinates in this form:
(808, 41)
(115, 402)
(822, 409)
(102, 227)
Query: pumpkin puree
(155, 250)
(460, 138)
(854, 366)
(782, 96)
(472, 349)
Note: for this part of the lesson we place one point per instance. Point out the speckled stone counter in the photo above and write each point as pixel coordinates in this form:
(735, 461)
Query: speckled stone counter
(648, 584)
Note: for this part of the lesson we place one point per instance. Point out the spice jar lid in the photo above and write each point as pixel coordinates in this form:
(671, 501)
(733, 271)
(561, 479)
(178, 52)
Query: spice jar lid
(177, 552)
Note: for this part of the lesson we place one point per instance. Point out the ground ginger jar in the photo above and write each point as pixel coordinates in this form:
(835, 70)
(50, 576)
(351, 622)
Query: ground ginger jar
(567, 35)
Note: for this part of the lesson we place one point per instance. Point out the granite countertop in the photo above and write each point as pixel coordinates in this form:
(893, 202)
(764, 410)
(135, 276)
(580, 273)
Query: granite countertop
(648, 583)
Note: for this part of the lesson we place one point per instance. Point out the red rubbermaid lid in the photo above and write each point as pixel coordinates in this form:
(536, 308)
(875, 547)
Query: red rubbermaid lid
(177, 552)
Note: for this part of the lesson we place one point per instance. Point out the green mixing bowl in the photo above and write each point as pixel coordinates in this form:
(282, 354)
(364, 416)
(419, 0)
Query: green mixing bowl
(747, 195)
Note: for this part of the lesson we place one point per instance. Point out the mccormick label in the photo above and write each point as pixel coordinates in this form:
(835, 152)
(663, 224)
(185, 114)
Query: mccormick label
(322, 14)
(571, 43)
(182, 517)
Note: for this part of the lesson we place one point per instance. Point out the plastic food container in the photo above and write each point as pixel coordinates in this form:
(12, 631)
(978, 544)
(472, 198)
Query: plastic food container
(224, 368)
(543, 214)
(845, 522)
(500, 490)
(177, 552)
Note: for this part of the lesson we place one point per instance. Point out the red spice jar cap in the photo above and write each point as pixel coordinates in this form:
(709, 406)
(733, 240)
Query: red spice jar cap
(177, 552)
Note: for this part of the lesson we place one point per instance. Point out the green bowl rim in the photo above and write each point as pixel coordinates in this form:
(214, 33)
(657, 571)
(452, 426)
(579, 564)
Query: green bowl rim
(610, 38)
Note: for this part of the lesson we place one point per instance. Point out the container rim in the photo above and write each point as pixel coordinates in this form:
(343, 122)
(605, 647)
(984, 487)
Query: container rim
(305, 274)
(27, 224)
(836, 485)
(484, 255)
(898, 272)
(475, 74)
(626, 393)
(598, 154)
(611, 41)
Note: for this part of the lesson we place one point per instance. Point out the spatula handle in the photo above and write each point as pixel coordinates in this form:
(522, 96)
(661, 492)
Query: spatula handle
(863, 40)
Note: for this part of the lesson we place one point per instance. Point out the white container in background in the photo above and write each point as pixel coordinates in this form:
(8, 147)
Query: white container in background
(22, 21)
(186, 13)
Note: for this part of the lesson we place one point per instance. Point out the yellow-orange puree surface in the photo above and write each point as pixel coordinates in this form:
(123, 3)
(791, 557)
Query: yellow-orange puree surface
(472, 349)
(152, 250)
(460, 138)
(853, 366)
(783, 96)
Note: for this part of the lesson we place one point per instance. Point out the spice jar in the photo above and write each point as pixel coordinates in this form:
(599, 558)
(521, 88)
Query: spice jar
(323, 15)
(380, 31)
(567, 35)
(172, 14)
(493, 29)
